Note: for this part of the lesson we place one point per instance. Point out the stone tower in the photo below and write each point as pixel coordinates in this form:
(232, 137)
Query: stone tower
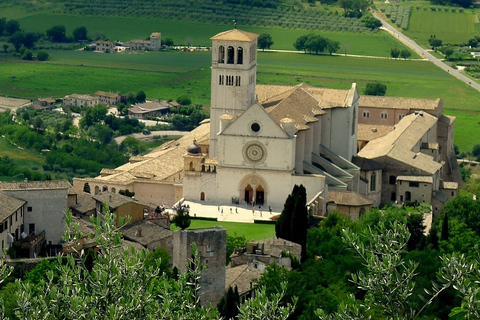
(212, 246)
(234, 71)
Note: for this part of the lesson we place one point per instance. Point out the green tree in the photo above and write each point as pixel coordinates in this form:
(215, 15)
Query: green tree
(235, 242)
(3, 24)
(265, 41)
(405, 54)
(300, 43)
(57, 33)
(27, 55)
(292, 224)
(375, 89)
(42, 56)
(141, 96)
(182, 219)
(17, 40)
(395, 53)
(168, 42)
(30, 39)
(332, 46)
(371, 22)
(11, 27)
(184, 100)
(316, 43)
(80, 33)
(228, 305)
(5, 47)
(434, 42)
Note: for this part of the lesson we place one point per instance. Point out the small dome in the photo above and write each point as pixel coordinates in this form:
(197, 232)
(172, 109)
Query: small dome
(287, 120)
(194, 148)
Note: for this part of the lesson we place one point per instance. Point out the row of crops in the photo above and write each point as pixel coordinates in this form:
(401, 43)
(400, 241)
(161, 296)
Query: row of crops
(213, 12)
(400, 15)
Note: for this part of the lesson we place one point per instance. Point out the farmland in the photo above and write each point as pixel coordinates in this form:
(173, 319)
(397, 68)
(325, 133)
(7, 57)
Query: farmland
(451, 27)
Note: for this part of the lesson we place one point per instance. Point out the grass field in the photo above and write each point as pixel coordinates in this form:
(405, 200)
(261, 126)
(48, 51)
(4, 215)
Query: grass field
(22, 158)
(198, 34)
(251, 231)
(451, 27)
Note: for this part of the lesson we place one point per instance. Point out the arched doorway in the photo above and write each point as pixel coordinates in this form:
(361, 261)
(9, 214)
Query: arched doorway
(253, 189)
(202, 196)
(97, 189)
(248, 195)
(260, 195)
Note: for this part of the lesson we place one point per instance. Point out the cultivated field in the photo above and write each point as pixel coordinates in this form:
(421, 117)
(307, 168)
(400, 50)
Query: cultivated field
(451, 27)
(198, 34)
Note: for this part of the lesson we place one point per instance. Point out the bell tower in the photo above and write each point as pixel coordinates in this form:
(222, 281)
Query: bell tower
(234, 71)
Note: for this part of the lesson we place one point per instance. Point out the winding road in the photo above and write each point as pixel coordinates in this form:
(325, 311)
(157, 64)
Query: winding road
(427, 55)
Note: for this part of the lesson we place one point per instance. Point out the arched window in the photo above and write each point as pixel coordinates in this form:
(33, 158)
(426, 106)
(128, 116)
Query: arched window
(97, 190)
(86, 187)
(105, 188)
(221, 54)
(408, 196)
(383, 115)
(202, 196)
(203, 168)
(373, 181)
(114, 190)
(230, 55)
(239, 55)
(366, 114)
(192, 168)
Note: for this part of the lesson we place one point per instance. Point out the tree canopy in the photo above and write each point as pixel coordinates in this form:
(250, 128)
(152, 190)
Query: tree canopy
(265, 41)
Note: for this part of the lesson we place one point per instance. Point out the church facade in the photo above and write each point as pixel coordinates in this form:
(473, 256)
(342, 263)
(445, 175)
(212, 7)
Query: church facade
(265, 140)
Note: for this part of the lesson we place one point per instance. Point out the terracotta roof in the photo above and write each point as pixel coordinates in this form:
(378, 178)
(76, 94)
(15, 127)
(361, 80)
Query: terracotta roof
(149, 107)
(241, 276)
(398, 103)
(80, 96)
(106, 94)
(158, 165)
(275, 247)
(114, 200)
(9, 205)
(36, 185)
(450, 185)
(349, 198)
(50, 100)
(235, 35)
(85, 203)
(368, 132)
(366, 164)
(145, 232)
(424, 179)
(399, 143)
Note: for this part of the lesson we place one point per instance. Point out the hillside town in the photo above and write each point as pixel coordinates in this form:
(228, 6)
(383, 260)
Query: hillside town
(351, 152)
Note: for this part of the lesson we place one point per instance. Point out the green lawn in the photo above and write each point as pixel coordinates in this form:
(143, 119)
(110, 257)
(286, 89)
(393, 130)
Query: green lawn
(251, 231)
(451, 27)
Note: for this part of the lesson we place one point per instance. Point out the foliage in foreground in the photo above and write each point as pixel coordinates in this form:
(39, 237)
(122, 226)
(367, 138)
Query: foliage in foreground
(122, 284)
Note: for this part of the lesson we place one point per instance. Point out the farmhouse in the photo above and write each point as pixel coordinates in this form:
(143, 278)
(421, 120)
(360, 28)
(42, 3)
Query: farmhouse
(108, 98)
(155, 43)
(44, 103)
(261, 140)
(80, 100)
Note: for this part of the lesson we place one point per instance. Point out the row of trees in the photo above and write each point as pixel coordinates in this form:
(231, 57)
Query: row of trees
(316, 43)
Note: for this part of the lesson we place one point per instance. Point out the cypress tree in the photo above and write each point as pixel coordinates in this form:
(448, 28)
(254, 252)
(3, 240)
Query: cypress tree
(444, 235)
(299, 220)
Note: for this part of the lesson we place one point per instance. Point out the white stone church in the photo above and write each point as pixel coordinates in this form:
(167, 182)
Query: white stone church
(261, 140)
(264, 140)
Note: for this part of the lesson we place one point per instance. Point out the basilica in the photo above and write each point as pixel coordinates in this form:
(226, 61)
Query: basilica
(261, 140)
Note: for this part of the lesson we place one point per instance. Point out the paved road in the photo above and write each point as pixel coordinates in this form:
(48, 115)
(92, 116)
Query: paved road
(422, 52)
